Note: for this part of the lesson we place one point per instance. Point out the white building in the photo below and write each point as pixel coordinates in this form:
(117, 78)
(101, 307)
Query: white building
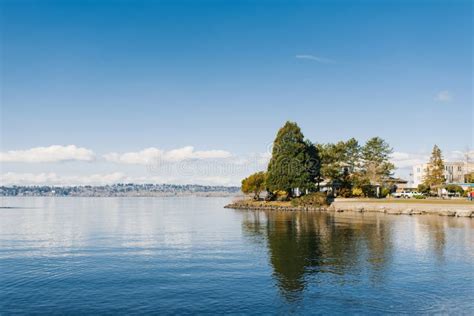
(454, 172)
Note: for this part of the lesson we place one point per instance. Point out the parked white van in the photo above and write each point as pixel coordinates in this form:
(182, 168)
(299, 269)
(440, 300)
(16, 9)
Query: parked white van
(406, 194)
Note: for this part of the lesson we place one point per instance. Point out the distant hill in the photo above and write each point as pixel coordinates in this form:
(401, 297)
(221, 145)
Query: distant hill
(121, 189)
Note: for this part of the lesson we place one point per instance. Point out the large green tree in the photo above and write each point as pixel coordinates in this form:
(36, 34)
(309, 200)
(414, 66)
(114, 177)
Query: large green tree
(434, 176)
(313, 163)
(255, 184)
(352, 152)
(376, 167)
(332, 159)
(469, 178)
(294, 163)
(339, 161)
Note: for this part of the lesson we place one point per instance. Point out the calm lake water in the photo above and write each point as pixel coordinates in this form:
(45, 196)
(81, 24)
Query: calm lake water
(190, 255)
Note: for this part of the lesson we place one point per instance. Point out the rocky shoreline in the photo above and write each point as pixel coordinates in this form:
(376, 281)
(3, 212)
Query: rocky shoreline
(360, 206)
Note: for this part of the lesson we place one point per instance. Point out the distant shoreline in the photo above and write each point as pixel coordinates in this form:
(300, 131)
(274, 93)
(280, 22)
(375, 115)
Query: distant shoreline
(195, 194)
(121, 190)
(458, 208)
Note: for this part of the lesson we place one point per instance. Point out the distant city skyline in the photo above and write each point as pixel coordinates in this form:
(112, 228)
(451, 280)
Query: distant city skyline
(194, 92)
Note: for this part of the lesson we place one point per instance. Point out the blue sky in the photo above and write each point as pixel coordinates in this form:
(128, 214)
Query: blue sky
(223, 76)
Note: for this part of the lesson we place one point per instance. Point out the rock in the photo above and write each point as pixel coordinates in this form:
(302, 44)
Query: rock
(360, 209)
(340, 210)
(417, 212)
(382, 209)
(464, 213)
(408, 211)
(446, 213)
(393, 212)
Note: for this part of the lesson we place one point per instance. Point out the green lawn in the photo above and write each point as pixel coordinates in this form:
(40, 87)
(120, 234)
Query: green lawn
(414, 201)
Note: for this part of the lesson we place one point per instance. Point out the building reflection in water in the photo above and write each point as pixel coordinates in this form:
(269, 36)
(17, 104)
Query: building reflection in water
(438, 235)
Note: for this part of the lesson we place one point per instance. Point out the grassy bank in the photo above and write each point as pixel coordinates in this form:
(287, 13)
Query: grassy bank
(412, 201)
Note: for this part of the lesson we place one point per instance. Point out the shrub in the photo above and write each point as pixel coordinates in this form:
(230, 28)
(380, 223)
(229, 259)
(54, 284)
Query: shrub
(345, 192)
(469, 178)
(369, 191)
(312, 199)
(357, 192)
(419, 197)
(452, 188)
(281, 196)
(423, 188)
(384, 192)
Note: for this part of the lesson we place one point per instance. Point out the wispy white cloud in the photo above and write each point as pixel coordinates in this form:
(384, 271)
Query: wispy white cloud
(153, 165)
(264, 158)
(58, 153)
(54, 153)
(458, 155)
(318, 59)
(443, 96)
(142, 157)
(152, 155)
(406, 160)
(188, 152)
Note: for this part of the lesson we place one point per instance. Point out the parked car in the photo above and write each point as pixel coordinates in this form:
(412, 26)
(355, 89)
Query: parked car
(406, 194)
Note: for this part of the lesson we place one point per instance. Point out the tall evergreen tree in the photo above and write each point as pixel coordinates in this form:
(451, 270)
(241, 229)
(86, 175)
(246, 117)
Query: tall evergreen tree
(332, 156)
(313, 163)
(352, 154)
(435, 172)
(376, 167)
(294, 163)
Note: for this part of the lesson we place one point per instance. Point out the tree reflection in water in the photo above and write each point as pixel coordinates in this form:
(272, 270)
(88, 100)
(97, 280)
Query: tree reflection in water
(308, 247)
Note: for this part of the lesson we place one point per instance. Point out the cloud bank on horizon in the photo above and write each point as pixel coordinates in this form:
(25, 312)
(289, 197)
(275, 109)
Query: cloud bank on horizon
(53, 153)
(153, 165)
(148, 155)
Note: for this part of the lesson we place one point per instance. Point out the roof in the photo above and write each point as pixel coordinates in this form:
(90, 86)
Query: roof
(397, 180)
